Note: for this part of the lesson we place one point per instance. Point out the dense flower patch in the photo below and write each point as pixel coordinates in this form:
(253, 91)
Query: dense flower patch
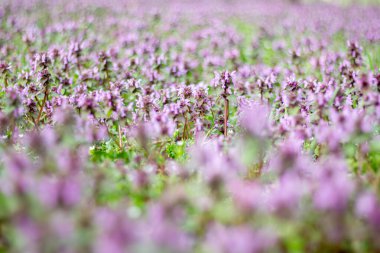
(189, 126)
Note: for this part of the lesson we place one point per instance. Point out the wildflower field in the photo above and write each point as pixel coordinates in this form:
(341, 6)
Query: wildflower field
(167, 126)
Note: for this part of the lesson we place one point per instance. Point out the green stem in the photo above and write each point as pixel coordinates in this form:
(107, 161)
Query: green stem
(46, 94)
(120, 138)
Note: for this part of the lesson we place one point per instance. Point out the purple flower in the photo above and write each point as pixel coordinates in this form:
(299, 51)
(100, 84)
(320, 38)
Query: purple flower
(115, 232)
(368, 207)
(165, 235)
(254, 117)
(238, 240)
(286, 196)
(247, 195)
(5, 68)
(224, 80)
(214, 167)
(335, 187)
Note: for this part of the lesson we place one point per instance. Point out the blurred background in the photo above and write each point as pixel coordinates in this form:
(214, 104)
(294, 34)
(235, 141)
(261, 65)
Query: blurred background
(344, 2)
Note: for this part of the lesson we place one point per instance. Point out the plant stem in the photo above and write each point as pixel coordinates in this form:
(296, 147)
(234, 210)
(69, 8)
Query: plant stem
(226, 114)
(184, 129)
(120, 140)
(38, 101)
(106, 79)
(78, 66)
(31, 118)
(46, 93)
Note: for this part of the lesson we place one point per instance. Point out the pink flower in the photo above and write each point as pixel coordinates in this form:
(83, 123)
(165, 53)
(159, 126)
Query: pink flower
(240, 239)
(368, 207)
(254, 117)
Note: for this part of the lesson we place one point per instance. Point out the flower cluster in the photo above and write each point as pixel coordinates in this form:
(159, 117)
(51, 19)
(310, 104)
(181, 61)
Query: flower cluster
(191, 126)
